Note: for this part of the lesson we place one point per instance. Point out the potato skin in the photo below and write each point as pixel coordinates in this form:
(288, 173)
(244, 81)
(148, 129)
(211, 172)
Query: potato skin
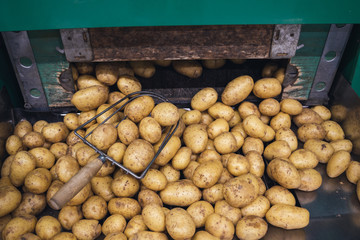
(258, 207)
(135, 225)
(38, 181)
(267, 88)
(311, 131)
(291, 106)
(343, 144)
(280, 195)
(179, 224)
(310, 179)
(220, 110)
(69, 215)
(323, 150)
(191, 69)
(106, 73)
(333, 131)
(238, 192)
(219, 226)
(307, 116)
(214, 193)
(195, 137)
(253, 126)
(31, 204)
(288, 217)
(287, 135)
(87, 229)
(127, 207)
(303, 159)
(154, 180)
(47, 227)
(269, 107)
(166, 114)
(10, 198)
(22, 164)
(277, 149)
(180, 193)
(204, 99)
(55, 132)
(151, 212)
(114, 223)
(353, 172)
(90, 98)
(224, 209)
(237, 90)
(169, 150)
(199, 211)
(138, 155)
(23, 127)
(14, 144)
(284, 173)
(147, 196)
(207, 174)
(95, 207)
(338, 163)
(18, 226)
(139, 108)
(251, 227)
(150, 130)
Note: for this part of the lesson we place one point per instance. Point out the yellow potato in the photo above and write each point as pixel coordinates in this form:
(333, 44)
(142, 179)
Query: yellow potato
(342, 144)
(213, 63)
(256, 162)
(253, 144)
(239, 128)
(148, 235)
(69, 215)
(307, 116)
(280, 120)
(238, 192)
(220, 110)
(248, 108)
(10, 198)
(179, 224)
(147, 196)
(38, 180)
(269, 107)
(90, 98)
(239, 139)
(303, 158)
(284, 173)
(199, 211)
(6, 166)
(128, 84)
(280, 195)
(189, 170)
(170, 173)
(154, 180)
(127, 131)
(86, 116)
(106, 111)
(265, 119)
(238, 165)
(204, 99)
(219, 226)
(47, 227)
(23, 127)
(207, 174)
(38, 125)
(113, 224)
(29, 236)
(310, 179)
(323, 112)
(195, 137)
(224, 209)
(217, 127)
(191, 117)
(182, 158)
(280, 75)
(138, 155)
(338, 112)
(78, 199)
(225, 143)
(18, 226)
(135, 225)
(72, 138)
(269, 69)
(66, 167)
(162, 63)
(87, 229)
(106, 73)
(214, 193)
(333, 131)
(151, 212)
(323, 150)
(237, 90)
(117, 151)
(14, 144)
(338, 163)
(166, 114)
(235, 119)
(22, 164)
(251, 227)
(189, 68)
(287, 135)
(125, 186)
(180, 193)
(277, 149)
(253, 126)
(64, 236)
(206, 118)
(267, 88)
(149, 129)
(104, 136)
(311, 131)
(127, 207)
(55, 132)
(85, 67)
(85, 81)
(145, 69)
(116, 97)
(353, 172)
(288, 217)
(200, 235)
(291, 106)
(31, 204)
(169, 150)
(139, 108)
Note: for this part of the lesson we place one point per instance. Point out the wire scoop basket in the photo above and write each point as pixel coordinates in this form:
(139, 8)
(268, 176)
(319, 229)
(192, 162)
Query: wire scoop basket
(84, 176)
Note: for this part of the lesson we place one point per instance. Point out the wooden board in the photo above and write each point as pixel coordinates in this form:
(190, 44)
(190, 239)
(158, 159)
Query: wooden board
(181, 42)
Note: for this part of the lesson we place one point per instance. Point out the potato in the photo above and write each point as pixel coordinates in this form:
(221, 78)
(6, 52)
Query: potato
(189, 68)
(342, 144)
(214, 193)
(106, 73)
(287, 135)
(139, 108)
(199, 211)
(217, 127)
(71, 121)
(182, 158)
(166, 114)
(86, 116)
(269, 69)
(254, 127)
(220, 110)
(189, 170)
(307, 116)
(269, 107)
(280, 75)
(151, 212)
(69, 215)
(85, 81)
(213, 63)
(115, 98)
(147, 196)
(235, 119)
(5, 168)
(47, 227)
(102, 186)
(79, 198)
(358, 190)
(127, 131)
(207, 174)
(206, 119)
(338, 112)
(148, 235)
(311, 131)
(280, 195)
(288, 217)
(225, 143)
(239, 140)
(127, 207)
(284, 173)
(38, 125)
(251, 227)
(90, 98)
(145, 69)
(29, 236)
(14, 144)
(66, 167)
(64, 236)
(191, 117)
(135, 225)
(104, 136)
(73, 139)
(204, 99)
(256, 162)
(238, 165)
(116, 151)
(85, 67)
(267, 88)
(23, 127)
(87, 229)
(200, 235)
(31, 204)
(265, 119)
(55, 132)
(248, 108)
(113, 224)
(239, 128)
(94, 207)
(123, 186)
(291, 106)
(180, 193)
(179, 224)
(22, 164)
(310, 179)
(163, 63)
(238, 192)
(353, 172)
(154, 180)
(107, 114)
(128, 84)
(277, 149)
(18, 226)
(84, 154)
(303, 158)
(38, 180)
(219, 226)
(195, 137)
(224, 209)
(253, 144)
(321, 149)
(280, 120)
(169, 150)
(149, 129)
(237, 90)
(333, 131)
(338, 163)
(10, 198)
(323, 112)
(170, 173)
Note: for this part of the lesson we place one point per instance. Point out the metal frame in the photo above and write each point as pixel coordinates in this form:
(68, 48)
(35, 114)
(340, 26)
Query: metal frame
(77, 45)
(285, 40)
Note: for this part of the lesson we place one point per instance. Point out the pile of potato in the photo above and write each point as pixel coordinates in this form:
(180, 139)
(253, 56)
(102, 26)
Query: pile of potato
(207, 183)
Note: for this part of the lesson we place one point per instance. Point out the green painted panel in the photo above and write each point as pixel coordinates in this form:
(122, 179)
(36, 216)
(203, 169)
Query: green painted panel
(50, 64)
(313, 38)
(45, 14)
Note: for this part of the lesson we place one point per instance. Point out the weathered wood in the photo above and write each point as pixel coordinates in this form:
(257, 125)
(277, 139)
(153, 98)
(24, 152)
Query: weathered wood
(181, 42)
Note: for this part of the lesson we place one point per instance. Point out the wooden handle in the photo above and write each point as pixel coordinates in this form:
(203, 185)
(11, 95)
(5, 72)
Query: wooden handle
(75, 184)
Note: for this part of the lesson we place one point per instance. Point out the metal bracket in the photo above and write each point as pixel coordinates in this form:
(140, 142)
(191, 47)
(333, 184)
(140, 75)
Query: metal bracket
(66, 80)
(23, 61)
(77, 44)
(285, 40)
(329, 62)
